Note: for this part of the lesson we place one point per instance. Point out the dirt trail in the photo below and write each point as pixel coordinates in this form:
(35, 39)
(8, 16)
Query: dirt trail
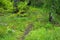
(27, 30)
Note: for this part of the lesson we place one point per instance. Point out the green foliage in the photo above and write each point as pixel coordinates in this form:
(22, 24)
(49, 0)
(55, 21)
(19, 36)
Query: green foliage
(6, 5)
(43, 34)
(2, 31)
(12, 26)
(37, 3)
(57, 4)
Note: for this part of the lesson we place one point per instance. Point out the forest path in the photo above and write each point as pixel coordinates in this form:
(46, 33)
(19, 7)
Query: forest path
(27, 30)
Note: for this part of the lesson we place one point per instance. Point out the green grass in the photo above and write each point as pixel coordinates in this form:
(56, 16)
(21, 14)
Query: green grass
(12, 27)
(43, 34)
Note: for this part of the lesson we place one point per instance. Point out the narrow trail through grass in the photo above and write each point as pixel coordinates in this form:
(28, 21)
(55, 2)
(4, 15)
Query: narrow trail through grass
(27, 30)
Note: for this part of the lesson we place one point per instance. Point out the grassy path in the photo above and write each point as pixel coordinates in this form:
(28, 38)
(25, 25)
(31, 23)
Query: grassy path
(27, 30)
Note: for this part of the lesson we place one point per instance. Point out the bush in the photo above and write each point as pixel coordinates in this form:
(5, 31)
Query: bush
(6, 5)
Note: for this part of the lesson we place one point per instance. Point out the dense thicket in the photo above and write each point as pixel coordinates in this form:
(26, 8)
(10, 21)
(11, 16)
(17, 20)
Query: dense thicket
(50, 4)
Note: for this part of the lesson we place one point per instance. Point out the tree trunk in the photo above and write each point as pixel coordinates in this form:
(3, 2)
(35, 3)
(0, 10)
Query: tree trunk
(50, 17)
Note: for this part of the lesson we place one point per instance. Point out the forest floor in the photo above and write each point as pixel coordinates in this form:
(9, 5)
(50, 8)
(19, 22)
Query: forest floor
(35, 26)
